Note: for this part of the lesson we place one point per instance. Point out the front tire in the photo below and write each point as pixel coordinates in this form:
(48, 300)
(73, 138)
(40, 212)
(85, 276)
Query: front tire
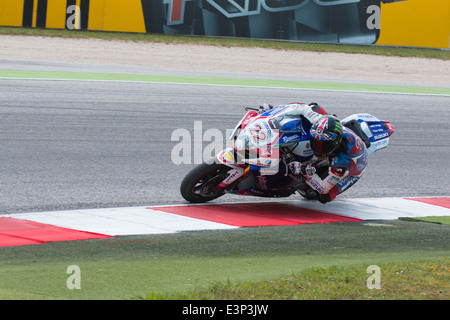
(200, 184)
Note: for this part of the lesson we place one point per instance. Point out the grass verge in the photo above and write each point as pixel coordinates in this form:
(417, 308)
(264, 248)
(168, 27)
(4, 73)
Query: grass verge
(432, 219)
(233, 42)
(191, 264)
(416, 280)
(439, 220)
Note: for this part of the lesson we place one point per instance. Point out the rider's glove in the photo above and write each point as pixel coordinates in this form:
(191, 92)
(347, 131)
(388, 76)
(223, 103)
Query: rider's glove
(295, 167)
(306, 170)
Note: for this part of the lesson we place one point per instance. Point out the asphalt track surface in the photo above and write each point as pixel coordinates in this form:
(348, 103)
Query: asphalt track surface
(97, 144)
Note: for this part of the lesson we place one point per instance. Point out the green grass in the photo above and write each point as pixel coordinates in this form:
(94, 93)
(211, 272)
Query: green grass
(233, 42)
(262, 83)
(418, 280)
(440, 220)
(190, 263)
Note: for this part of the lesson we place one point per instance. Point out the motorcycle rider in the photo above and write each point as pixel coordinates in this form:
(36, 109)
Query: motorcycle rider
(342, 151)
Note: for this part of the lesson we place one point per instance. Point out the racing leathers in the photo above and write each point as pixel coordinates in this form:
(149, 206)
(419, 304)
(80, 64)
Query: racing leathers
(345, 165)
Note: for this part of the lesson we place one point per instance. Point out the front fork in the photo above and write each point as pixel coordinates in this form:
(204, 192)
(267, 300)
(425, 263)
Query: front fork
(226, 157)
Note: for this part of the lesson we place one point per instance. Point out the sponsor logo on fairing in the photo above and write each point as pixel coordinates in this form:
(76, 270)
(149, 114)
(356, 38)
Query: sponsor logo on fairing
(291, 138)
(190, 148)
(381, 136)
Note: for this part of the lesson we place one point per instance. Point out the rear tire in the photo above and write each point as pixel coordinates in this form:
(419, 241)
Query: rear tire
(200, 183)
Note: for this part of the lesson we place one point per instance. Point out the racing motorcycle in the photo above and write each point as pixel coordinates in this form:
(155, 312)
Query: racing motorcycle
(263, 142)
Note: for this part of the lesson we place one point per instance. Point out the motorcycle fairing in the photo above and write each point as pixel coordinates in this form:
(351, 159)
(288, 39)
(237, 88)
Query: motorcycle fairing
(373, 131)
(275, 129)
(261, 185)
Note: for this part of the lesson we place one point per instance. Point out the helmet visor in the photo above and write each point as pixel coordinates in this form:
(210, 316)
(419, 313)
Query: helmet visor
(322, 146)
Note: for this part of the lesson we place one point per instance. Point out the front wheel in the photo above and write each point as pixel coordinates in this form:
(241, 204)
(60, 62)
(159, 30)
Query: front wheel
(200, 184)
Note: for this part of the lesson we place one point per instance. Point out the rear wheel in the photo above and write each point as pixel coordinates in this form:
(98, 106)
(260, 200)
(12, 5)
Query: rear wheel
(200, 184)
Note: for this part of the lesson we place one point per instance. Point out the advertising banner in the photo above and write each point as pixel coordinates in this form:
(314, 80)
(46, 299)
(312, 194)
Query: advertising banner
(387, 22)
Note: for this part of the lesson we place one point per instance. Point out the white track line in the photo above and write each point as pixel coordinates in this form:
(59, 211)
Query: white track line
(240, 86)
